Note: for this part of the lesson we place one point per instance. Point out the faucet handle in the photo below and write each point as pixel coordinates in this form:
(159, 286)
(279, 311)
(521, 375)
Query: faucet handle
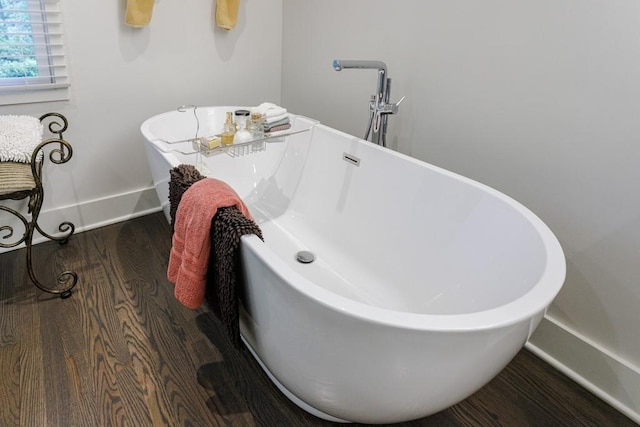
(390, 108)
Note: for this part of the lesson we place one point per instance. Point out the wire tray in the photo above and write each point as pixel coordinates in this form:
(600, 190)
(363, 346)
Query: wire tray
(234, 150)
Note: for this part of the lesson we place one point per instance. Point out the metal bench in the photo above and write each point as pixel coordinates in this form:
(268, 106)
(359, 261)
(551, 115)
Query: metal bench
(24, 180)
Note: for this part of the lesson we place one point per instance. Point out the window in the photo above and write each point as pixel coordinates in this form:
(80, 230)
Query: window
(32, 63)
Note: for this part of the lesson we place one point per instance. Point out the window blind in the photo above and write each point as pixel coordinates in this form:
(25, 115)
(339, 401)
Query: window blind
(31, 46)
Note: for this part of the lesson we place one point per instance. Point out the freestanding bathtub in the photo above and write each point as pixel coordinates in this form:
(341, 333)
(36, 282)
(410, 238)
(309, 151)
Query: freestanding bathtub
(425, 284)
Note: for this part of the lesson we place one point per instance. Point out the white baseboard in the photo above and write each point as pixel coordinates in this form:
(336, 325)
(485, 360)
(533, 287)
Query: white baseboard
(604, 374)
(91, 214)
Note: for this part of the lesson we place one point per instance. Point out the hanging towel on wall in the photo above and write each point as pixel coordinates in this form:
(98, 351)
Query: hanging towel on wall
(138, 13)
(191, 242)
(227, 13)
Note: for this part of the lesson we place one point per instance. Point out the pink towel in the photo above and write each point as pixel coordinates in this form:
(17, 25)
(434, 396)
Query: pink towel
(189, 257)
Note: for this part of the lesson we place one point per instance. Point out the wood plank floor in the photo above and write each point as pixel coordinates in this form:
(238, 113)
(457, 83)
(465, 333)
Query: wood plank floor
(122, 352)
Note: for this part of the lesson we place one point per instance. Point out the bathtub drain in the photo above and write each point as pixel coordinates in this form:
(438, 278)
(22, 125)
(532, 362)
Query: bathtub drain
(305, 257)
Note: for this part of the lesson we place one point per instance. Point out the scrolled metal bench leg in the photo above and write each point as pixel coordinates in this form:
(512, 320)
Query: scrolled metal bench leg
(59, 154)
(65, 280)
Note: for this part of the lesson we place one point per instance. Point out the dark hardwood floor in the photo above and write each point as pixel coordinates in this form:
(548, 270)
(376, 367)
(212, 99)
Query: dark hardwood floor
(122, 352)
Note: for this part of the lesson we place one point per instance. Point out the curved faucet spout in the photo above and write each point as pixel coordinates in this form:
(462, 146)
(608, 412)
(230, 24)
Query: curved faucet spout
(343, 64)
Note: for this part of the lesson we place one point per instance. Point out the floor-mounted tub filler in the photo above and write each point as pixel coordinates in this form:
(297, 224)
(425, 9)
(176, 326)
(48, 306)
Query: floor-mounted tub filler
(386, 289)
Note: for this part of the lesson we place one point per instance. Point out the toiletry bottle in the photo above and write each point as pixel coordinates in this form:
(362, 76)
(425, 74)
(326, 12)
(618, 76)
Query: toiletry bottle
(243, 134)
(256, 126)
(229, 130)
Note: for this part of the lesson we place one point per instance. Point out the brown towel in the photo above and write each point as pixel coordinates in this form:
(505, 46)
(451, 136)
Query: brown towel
(224, 278)
(227, 13)
(138, 13)
(181, 178)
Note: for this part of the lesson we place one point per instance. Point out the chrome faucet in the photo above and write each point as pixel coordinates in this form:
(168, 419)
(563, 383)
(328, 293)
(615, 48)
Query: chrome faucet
(379, 106)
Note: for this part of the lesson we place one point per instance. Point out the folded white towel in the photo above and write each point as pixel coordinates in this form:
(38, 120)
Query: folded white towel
(19, 136)
(282, 117)
(268, 109)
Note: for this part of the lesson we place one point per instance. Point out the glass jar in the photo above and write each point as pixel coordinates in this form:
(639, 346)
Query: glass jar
(241, 117)
(256, 126)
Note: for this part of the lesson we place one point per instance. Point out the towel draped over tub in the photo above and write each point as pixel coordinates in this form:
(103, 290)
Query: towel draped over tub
(204, 263)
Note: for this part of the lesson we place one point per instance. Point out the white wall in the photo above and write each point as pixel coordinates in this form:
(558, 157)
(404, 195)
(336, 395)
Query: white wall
(539, 99)
(120, 76)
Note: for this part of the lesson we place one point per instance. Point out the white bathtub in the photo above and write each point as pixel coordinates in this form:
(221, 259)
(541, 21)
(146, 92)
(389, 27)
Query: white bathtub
(425, 284)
